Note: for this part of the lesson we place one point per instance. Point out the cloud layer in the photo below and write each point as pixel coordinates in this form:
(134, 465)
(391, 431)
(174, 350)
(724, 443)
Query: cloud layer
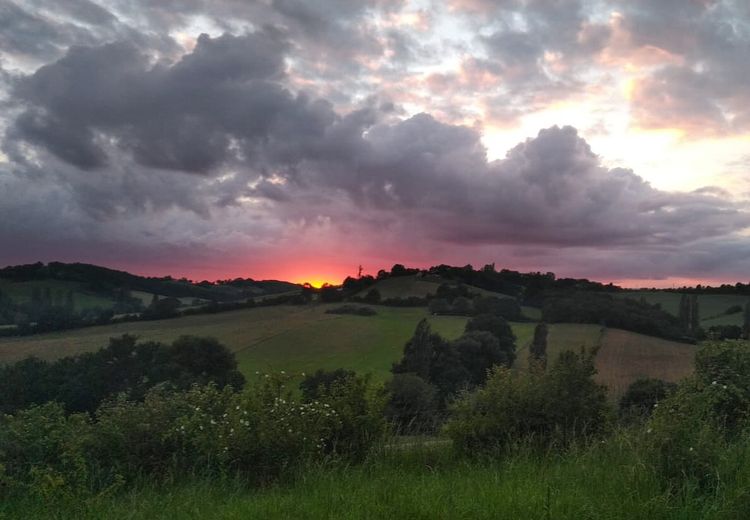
(184, 135)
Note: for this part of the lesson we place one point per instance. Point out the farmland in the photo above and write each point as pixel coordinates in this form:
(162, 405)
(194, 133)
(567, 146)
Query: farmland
(305, 338)
(712, 306)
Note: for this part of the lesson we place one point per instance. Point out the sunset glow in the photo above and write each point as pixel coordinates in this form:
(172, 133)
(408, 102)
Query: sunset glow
(218, 140)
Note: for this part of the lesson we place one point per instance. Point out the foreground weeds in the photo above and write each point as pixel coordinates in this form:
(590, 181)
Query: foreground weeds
(608, 480)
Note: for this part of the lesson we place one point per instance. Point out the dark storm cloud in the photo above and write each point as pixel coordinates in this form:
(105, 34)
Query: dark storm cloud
(282, 119)
(174, 117)
(223, 108)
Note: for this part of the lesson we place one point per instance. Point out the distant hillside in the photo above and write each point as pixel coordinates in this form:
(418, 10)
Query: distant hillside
(419, 286)
(94, 280)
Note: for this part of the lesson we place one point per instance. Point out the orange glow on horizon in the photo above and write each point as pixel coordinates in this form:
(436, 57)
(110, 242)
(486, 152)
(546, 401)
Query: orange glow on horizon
(316, 282)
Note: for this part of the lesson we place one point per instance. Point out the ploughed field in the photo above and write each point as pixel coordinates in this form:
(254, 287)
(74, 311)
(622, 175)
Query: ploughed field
(304, 338)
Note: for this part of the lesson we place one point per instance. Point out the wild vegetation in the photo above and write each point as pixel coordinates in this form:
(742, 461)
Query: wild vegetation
(267, 409)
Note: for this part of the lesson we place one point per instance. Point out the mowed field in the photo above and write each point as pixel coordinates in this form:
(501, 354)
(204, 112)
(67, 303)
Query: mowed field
(622, 356)
(290, 338)
(304, 338)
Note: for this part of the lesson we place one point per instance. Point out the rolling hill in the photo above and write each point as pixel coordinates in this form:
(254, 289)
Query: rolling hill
(305, 338)
(712, 307)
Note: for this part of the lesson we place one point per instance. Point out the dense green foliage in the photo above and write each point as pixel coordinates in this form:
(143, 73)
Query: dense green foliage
(704, 416)
(451, 366)
(551, 408)
(642, 396)
(621, 313)
(82, 382)
(322, 381)
(258, 433)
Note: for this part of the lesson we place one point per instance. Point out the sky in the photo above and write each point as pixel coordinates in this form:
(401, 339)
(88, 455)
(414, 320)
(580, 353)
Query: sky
(300, 139)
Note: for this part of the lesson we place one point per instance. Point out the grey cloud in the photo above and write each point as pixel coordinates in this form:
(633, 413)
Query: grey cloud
(182, 116)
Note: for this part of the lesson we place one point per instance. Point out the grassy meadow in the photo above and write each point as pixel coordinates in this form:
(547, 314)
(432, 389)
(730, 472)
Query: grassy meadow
(609, 480)
(304, 338)
(291, 338)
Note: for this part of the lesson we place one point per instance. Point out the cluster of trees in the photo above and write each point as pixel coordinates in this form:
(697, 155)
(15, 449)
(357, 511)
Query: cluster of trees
(434, 370)
(689, 314)
(607, 310)
(107, 282)
(459, 300)
(80, 383)
(47, 310)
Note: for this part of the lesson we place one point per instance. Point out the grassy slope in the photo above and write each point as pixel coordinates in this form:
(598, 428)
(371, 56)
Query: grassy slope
(292, 338)
(608, 481)
(21, 292)
(305, 338)
(405, 286)
(711, 306)
(623, 356)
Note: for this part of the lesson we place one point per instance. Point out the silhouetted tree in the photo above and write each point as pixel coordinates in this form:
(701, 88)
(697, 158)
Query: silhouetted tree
(419, 352)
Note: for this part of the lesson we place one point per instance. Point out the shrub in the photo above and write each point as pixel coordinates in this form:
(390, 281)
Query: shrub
(552, 408)
(314, 385)
(690, 429)
(412, 404)
(641, 396)
(42, 452)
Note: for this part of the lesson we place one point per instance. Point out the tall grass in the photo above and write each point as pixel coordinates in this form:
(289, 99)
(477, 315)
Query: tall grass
(607, 480)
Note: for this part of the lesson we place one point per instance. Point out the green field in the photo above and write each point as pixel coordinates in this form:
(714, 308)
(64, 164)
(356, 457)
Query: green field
(711, 306)
(304, 338)
(291, 338)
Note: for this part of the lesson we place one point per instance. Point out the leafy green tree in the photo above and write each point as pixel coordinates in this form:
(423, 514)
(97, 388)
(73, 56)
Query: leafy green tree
(544, 409)
(419, 352)
(412, 404)
(498, 327)
(746, 321)
(642, 396)
(538, 348)
(479, 351)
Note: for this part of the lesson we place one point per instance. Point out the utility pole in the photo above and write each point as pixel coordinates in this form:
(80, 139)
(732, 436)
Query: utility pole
(359, 272)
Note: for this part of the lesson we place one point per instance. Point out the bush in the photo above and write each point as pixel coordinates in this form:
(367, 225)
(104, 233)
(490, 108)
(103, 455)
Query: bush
(690, 429)
(42, 453)
(313, 386)
(412, 404)
(553, 408)
(642, 396)
(257, 434)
